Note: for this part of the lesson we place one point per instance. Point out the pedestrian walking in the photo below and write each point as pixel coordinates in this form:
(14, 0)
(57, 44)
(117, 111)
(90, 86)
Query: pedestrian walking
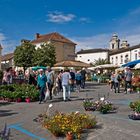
(83, 77)
(72, 74)
(117, 81)
(128, 80)
(112, 81)
(66, 86)
(50, 81)
(41, 83)
(78, 78)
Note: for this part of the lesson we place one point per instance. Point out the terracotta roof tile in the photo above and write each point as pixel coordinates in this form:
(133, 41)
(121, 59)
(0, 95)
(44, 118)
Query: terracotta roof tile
(52, 37)
(7, 56)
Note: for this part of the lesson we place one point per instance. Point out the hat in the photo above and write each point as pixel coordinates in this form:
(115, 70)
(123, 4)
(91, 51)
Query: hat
(40, 69)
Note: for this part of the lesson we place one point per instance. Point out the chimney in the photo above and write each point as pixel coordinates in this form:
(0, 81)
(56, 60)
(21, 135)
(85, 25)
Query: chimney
(37, 35)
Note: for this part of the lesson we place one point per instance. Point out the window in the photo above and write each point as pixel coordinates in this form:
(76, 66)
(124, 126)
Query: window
(136, 56)
(116, 60)
(112, 60)
(126, 58)
(121, 59)
(113, 46)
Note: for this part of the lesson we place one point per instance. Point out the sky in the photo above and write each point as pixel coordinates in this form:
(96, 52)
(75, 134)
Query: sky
(89, 23)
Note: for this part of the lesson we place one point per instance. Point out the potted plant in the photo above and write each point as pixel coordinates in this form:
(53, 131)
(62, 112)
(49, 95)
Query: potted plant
(136, 108)
(89, 105)
(138, 89)
(105, 106)
(71, 125)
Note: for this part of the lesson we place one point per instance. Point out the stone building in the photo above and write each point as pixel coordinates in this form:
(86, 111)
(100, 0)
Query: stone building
(65, 48)
(7, 61)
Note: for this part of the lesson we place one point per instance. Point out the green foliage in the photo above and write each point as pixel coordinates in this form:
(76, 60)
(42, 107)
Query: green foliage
(45, 55)
(74, 123)
(88, 104)
(19, 91)
(135, 106)
(104, 108)
(1, 75)
(100, 62)
(23, 55)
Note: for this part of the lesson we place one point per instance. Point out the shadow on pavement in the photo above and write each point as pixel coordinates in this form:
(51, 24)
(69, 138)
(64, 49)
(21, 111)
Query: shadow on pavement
(86, 132)
(4, 113)
(5, 103)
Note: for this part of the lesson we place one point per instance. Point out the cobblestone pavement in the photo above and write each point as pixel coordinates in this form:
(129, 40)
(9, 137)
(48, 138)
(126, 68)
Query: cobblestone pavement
(115, 126)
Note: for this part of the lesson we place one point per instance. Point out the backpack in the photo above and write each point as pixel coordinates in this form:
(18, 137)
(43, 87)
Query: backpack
(119, 78)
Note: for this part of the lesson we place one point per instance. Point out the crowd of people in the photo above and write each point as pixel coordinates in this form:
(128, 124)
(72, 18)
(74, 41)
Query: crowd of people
(51, 83)
(118, 79)
(65, 81)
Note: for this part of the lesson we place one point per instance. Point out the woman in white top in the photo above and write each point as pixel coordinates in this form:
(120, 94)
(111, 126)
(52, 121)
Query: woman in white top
(66, 86)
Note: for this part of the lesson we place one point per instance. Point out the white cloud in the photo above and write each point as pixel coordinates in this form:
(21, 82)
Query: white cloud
(102, 41)
(84, 20)
(89, 42)
(2, 37)
(127, 28)
(8, 45)
(133, 39)
(59, 17)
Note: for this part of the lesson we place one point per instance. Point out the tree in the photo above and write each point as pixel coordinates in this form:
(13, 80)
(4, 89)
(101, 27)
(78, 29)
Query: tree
(23, 55)
(45, 55)
(100, 62)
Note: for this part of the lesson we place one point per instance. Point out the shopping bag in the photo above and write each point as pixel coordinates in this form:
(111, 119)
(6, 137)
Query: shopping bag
(47, 94)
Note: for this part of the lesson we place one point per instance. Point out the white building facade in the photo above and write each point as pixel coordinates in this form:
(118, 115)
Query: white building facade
(122, 53)
(91, 55)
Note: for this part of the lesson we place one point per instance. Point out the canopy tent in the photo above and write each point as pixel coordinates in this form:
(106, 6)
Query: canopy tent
(57, 68)
(131, 64)
(105, 66)
(39, 67)
(137, 66)
(70, 63)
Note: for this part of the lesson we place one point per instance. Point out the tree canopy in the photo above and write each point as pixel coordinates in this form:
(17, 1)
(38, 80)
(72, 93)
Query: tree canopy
(45, 55)
(26, 55)
(100, 62)
(23, 55)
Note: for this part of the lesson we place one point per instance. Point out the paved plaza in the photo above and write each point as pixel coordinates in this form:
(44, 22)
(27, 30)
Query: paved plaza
(114, 126)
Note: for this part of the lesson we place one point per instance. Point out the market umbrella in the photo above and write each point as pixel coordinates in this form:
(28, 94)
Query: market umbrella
(131, 64)
(70, 63)
(137, 66)
(39, 67)
(105, 66)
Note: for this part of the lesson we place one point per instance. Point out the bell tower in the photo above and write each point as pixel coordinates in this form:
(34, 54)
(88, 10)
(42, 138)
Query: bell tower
(114, 42)
(0, 55)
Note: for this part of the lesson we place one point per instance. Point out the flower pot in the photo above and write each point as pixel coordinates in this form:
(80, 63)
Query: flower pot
(10, 100)
(90, 108)
(27, 100)
(18, 100)
(69, 136)
(88, 126)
